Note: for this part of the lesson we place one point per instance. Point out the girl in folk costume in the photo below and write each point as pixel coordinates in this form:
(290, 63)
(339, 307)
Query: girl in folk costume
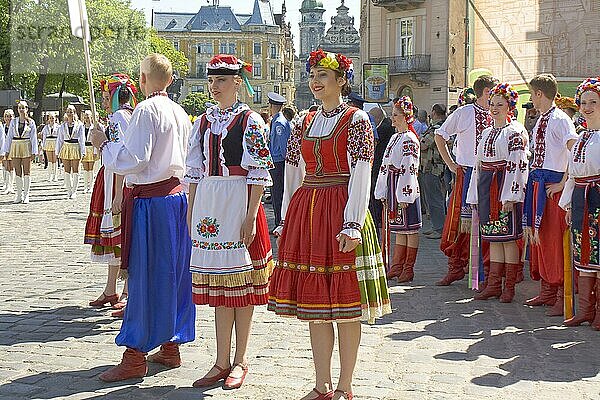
(398, 188)
(497, 188)
(70, 147)
(103, 227)
(330, 268)
(9, 171)
(20, 145)
(581, 200)
(228, 166)
(90, 154)
(49, 136)
(544, 221)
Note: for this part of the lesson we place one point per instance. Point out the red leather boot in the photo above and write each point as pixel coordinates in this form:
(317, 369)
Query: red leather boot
(398, 259)
(408, 273)
(596, 323)
(133, 365)
(168, 355)
(586, 302)
(455, 272)
(559, 305)
(494, 285)
(512, 271)
(547, 296)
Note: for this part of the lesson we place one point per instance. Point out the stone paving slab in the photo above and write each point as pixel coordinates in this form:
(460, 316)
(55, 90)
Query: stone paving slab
(438, 343)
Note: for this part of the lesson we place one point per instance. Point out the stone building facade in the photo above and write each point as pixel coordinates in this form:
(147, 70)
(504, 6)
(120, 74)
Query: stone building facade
(261, 38)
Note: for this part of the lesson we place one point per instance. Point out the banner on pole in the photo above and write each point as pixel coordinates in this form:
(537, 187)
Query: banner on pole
(79, 19)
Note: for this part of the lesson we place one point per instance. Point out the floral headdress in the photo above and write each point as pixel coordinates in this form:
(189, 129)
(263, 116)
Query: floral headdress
(506, 91)
(405, 104)
(227, 64)
(463, 95)
(114, 84)
(592, 84)
(337, 62)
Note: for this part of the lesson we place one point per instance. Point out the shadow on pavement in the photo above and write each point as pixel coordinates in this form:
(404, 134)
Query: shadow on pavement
(51, 325)
(535, 347)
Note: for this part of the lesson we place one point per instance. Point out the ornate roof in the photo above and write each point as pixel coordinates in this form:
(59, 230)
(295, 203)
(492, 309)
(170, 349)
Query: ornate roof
(342, 36)
(311, 4)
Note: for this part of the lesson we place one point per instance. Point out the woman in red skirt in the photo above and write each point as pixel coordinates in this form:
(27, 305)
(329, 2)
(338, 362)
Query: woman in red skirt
(330, 266)
(228, 164)
(103, 228)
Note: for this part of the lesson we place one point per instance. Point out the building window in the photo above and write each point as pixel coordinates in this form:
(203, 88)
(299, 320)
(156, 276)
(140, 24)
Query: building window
(197, 89)
(257, 95)
(276, 89)
(227, 48)
(273, 72)
(286, 74)
(205, 48)
(405, 42)
(201, 70)
(257, 48)
(284, 92)
(232, 48)
(176, 44)
(257, 70)
(273, 51)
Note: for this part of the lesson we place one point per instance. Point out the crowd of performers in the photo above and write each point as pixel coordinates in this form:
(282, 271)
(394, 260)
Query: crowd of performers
(66, 142)
(514, 195)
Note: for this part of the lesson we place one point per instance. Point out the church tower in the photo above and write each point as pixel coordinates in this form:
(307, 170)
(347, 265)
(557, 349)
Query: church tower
(312, 26)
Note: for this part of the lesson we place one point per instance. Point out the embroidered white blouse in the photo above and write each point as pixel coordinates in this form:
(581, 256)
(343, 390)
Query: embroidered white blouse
(508, 143)
(402, 153)
(154, 145)
(584, 161)
(256, 158)
(78, 133)
(462, 123)
(549, 147)
(28, 132)
(359, 156)
(49, 130)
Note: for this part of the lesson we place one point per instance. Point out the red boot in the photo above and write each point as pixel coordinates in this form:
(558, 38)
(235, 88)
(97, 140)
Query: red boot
(512, 270)
(494, 285)
(486, 275)
(586, 302)
(398, 259)
(596, 323)
(557, 309)
(408, 273)
(168, 355)
(455, 272)
(547, 296)
(133, 365)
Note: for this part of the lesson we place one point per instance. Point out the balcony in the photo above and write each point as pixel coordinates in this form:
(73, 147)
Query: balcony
(406, 64)
(398, 5)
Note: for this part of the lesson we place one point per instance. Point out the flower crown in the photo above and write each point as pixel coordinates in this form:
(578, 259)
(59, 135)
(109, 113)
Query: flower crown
(336, 62)
(114, 84)
(589, 84)
(506, 91)
(405, 104)
(463, 94)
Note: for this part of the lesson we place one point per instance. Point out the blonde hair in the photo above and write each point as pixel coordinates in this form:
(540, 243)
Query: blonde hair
(157, 68)
(75, 116)
(9, 111)
(546, 83)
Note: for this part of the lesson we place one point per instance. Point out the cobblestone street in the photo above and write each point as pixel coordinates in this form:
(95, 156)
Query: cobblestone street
(438, 343)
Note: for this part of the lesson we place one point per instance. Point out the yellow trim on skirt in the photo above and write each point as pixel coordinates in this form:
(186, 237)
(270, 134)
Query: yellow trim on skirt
(20, 149)
(70, 151)
(89, 154)
(50, 145)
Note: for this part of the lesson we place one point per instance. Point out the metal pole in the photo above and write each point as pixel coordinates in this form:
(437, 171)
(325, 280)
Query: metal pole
(88, 64)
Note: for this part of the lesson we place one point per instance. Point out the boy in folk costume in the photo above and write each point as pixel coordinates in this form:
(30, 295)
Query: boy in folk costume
(155, 243)
(544, 221)
(467, 123)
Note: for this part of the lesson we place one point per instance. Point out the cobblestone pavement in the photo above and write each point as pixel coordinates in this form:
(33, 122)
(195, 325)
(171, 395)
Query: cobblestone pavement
(438, 343)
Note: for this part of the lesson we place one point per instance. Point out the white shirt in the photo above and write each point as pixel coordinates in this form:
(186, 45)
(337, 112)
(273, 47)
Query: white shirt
(154, 144)
(29, 132)
(77, 133)
(550, 151)
(462, 124)
(584, 161)
(359, 186)
(403, 153)
(510, 144)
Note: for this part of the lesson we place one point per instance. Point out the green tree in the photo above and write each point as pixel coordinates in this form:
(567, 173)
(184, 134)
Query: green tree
(5, 82)
(195, 103)
(166, 48)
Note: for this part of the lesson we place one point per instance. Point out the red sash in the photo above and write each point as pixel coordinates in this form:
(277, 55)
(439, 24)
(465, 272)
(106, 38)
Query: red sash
(452, 223)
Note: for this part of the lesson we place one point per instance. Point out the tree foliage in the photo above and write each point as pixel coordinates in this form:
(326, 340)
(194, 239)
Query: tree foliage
(195, 103)
(165, 47)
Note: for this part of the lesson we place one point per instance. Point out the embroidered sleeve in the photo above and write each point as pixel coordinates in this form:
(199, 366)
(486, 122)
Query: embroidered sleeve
(294, 144)
(194, 161)
(517, 167)
(360, 139)
(257, 157)
(381, 186)
(406, 158)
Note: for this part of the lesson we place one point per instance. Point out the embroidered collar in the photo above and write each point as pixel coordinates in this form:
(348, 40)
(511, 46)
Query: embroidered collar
(547, 113)
(479, 108)
(216, 115)
(335, 111)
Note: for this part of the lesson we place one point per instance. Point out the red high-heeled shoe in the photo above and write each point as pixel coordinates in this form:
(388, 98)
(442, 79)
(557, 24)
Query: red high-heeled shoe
(104, 299)
(209, 381)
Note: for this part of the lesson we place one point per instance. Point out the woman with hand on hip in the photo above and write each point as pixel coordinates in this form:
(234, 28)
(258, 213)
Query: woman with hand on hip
(330, 268)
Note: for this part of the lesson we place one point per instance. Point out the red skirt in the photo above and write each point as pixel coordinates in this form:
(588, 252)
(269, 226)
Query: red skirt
(313, 280)
(105, 246)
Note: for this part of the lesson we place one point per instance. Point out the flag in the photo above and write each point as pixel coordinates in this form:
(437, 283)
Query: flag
(77, 21)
